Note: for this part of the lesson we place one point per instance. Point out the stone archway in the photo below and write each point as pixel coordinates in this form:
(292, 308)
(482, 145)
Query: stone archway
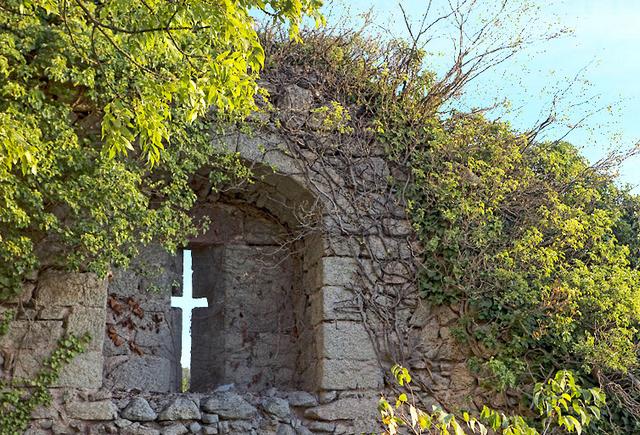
(319, 358)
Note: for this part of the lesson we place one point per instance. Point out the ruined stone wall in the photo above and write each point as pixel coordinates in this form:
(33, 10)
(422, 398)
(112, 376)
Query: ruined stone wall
(310, 276)
(218, 412)
(142, 335)
(52, 305)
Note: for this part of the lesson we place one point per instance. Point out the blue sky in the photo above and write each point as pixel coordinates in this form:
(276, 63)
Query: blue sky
(605, 42)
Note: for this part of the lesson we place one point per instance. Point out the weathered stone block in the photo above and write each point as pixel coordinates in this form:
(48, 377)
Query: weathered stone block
(342, 374)
(261, 231)
(308, 375)
(67, 288)
(313, 250)
(322, 426)
(333, 303)
(295, 98)
(387, 248)
(285, 429)
(421, 315)
(24, 296)
(437, 382)
(430, 334)
(225, 226)
(138, 429)
(122, 423)
(327, 396)
(83, 320)
(450, 349)
(277, 407)
(180, 409)
(54, 312)
(338, 245)
(138, 409)
(345, 409)
(174, 429)
(397, 227)
(210, 418)
(147, 373)
(159, 339)
(462, 379)
(102, 410)
(124, 282)
(29, 335)
(337, 271)
(344, 340)
(302, 399)
(36, 431)
(228, 405)
(84, 371)
(240, 427)
(265, 149)
(445, 315)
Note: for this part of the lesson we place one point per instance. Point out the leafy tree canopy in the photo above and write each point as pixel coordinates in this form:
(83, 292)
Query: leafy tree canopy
(96, 98)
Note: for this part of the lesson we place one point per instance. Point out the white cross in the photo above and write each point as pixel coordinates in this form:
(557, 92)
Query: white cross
(187, 303)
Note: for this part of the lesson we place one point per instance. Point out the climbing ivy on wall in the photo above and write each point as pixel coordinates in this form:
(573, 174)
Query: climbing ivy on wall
(20, 397)
(525, 237)
(536, 248)
(522, 238)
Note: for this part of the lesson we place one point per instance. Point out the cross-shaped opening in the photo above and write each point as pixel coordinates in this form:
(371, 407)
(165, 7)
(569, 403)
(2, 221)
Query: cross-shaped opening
(248, 313)
(187, 303)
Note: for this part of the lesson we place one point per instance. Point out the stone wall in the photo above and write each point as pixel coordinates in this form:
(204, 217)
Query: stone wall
(52, 305)
(224, 411)
(310, 276)
(143, 332)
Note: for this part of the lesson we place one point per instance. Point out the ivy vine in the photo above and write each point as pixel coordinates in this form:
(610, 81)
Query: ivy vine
(20, 397)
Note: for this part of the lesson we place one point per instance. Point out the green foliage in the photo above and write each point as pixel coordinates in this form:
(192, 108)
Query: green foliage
(5, 322)
(526, 234)
(102, 121)
(333, 117)
(21, 397)
(560, 403)
(135, 65)
(538, 249)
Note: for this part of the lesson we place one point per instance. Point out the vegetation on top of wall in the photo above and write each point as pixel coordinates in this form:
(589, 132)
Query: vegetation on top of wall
(536, 248)
(523, 240)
